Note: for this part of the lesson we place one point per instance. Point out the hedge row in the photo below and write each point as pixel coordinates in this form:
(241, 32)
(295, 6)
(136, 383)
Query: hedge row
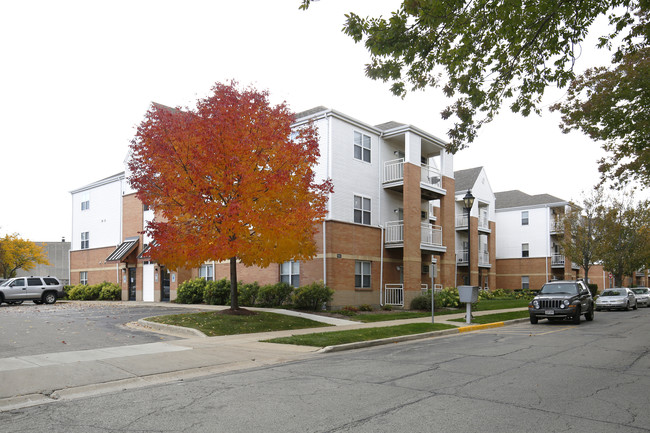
(309, 297)
(103, 291)
(448, 298)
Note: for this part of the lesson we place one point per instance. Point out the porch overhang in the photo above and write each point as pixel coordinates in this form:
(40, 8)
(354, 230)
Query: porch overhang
(124, 249)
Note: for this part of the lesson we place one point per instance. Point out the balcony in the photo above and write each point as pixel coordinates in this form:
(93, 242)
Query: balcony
(640, 273)
(461, 222)
(462, 258)
(430, 179)
(556, 227)
(558, 261)
(483, 223)
(430, 236)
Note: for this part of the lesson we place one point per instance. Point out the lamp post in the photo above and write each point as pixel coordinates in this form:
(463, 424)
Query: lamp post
(468, 202)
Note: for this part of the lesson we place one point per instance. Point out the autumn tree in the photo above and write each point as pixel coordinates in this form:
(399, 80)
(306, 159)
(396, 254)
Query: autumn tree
(17, 253)
(625, 241)
(230, 180)
(487, 53)
(582, 242)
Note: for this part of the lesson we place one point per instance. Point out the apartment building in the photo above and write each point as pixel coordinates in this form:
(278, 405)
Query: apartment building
(108, 243)
(476, 233)
(528, 251)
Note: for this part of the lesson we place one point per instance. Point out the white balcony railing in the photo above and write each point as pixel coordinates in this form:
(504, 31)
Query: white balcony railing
(483, 258)
(483, 222)
(557, 226)
(394, 172)
(461, 221)
(394, 294)
(557, 260)
(462, 257)
(430, 235)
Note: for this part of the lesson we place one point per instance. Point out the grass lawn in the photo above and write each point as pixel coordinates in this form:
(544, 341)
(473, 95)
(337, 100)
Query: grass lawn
(214, 323)
(323, 339)
(499, 317)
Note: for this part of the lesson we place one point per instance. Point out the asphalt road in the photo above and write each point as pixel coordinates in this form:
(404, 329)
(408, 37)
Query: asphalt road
(31, 329)
(548, 377)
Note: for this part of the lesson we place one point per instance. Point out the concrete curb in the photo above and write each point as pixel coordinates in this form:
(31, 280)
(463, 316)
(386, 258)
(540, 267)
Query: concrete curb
(401, 338)
(169, 329)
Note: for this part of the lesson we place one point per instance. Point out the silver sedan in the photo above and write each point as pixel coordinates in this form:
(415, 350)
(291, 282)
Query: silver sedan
(642, 295)
(616, 298)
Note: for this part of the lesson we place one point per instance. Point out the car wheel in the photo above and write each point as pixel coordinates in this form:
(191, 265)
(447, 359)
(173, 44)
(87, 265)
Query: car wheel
(37, 302)
(635, 306)
(627, 306)
(534, 320)
(576, 318)
(49, 298)
(15, 302)
(589, 315)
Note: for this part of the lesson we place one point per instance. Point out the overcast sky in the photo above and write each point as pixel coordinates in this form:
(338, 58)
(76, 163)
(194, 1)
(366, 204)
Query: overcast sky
(76, 77)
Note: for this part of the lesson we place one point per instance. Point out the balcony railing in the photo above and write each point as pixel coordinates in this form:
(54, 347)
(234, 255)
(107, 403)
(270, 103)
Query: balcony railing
(557, 260)
(394, 294)
(461, 221)
(557, 226)
(483, 258)
(430, 235)
(483, 223)
(462, 257)
(394, 172)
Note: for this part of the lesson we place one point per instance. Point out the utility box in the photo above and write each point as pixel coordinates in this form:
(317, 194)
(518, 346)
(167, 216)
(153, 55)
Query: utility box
(468, 294)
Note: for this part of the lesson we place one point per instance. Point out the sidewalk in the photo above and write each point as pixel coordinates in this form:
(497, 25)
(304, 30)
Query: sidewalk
(38, 379)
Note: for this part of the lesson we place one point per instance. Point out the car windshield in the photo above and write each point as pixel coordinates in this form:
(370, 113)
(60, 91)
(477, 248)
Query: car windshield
(640, 291)
(564, 289)
(5, 283)
(613, 293)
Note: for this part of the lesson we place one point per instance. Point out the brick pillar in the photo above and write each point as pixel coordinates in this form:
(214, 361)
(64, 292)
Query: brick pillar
(447, 220)
(492, 248)
(412, 233)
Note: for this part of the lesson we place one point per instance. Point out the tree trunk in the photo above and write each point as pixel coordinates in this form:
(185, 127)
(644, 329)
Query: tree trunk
(234, 300)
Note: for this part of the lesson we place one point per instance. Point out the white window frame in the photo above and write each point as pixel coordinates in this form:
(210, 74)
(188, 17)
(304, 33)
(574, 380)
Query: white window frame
(83, 278)
(85, 201)
(290, 273)
(362, 147)
(85, 240)
(361, 210)
(362, 274)
(525, 218)
(525, 250)
(207, 272)
(525, 282)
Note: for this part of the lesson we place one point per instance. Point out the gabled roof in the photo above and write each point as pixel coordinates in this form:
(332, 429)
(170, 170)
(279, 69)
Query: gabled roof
(97, 183)
(310, 112)
(466, 179)
(516, 198)
(390, 125)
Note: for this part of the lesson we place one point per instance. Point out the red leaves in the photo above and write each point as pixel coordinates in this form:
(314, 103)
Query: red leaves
(229, 179)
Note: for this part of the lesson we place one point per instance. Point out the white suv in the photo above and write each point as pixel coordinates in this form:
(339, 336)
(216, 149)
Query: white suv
(37, 289)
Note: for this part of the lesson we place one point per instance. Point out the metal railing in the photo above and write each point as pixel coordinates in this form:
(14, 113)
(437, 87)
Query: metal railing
(483, 258)
(394, 172)
(461, 220)
(462, 256)
(429, 234)
(424, 288)
(557, 226)
(483, 222)
(394, 294)
(557, 260)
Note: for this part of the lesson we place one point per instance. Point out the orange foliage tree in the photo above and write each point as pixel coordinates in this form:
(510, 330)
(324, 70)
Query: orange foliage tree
(230, 181)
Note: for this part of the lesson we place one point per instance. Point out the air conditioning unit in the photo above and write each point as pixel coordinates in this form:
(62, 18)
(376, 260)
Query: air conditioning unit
(423, 215)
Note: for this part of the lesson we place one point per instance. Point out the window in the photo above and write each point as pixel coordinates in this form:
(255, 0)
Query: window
(525, 283)
(85, 201)
(290, 273)
(524, 218)
(83, 277)
(146, 207)
(524, 250)
(34, 281)
(85, 240)
(361, 210)
(362, 275)
(206, 272)
(362, 147)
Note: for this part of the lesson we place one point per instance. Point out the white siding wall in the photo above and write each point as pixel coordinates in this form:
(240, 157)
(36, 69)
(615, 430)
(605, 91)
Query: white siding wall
(351, 176)
(103, 219)
(512, 234)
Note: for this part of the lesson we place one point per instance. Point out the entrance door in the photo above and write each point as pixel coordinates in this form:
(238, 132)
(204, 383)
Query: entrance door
(164, 293)
(132, 272)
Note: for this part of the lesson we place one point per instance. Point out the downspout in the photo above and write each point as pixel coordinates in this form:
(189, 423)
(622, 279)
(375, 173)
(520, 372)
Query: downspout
(548, 243)
(324, 254)
(381, 267)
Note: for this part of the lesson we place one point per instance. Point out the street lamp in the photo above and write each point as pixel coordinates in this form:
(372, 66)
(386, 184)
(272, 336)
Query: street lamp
(468, 202)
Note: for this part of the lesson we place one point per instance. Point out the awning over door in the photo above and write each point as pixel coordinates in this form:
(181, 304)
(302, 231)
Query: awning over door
(124, 249)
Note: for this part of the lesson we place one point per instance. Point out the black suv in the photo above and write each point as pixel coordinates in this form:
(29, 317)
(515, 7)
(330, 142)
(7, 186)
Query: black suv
(562, 300)
(37, 289)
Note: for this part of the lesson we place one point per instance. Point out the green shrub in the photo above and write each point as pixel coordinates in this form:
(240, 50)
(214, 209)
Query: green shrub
(217, 292)
(312, 296)
(248, 294)
(387, 307)
(447, 298)
(421, 302)
(365, 307)
(274, 295)
(191, 291)
(349, 310)
(110, 292)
